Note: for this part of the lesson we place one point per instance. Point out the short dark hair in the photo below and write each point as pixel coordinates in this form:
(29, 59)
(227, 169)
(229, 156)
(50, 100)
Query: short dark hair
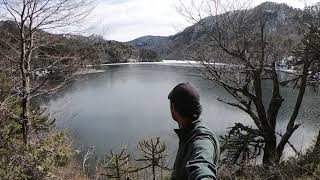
(186, 100)
(188, 110)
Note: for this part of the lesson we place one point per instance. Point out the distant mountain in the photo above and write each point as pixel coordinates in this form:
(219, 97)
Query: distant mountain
(157, 43)
(285, 25)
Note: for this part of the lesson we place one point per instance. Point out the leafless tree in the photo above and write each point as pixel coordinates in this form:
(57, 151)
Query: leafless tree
(240, 35)
(117, 164)
(33, 53)
(153, 152)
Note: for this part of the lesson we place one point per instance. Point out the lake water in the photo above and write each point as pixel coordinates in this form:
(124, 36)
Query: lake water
(129, 102)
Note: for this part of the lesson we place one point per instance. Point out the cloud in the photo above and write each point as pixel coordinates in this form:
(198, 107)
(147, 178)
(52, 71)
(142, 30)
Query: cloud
(124, 20)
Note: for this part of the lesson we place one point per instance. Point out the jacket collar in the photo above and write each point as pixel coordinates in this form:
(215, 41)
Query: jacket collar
(183, 132)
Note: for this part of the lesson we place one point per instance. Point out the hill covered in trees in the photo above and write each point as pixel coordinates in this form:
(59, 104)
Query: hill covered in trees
(284, 26)
(92, 50)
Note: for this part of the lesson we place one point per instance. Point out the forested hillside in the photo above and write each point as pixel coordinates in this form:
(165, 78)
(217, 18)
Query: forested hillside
(92, 50)
(284, 27)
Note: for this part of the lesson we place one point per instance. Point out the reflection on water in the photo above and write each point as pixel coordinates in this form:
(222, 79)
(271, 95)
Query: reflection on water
(129, 102)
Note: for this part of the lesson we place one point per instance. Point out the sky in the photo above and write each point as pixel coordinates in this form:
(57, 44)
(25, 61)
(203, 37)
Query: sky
(125, 20)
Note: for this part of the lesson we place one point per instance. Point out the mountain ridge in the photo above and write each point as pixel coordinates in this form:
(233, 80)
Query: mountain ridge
(286, 23)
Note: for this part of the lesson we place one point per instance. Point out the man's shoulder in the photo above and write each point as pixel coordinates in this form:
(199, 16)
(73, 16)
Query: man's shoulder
(202, 129)
(203, 132)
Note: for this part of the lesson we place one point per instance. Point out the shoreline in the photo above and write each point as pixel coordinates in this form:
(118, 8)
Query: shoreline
(166, 62)
(92, 70)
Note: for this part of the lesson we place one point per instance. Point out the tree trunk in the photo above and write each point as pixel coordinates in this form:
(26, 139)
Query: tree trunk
(270, 155)
(25, 117)
(316, 153)
(317, 145)
(292, 127)
(25, 78)
(25, 102)
(153, 162)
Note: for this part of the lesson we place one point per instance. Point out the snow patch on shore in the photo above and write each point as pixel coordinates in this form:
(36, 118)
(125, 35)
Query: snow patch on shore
(88, 71)
(168, 62)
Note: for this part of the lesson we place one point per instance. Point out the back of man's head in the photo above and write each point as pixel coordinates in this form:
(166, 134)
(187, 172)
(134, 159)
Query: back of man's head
(186, 101)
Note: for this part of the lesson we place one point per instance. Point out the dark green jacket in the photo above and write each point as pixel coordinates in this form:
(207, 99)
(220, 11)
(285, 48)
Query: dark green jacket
(197, 155)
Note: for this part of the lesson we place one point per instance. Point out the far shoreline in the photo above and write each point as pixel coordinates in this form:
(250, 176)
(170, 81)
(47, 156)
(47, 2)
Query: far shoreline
(91, 70)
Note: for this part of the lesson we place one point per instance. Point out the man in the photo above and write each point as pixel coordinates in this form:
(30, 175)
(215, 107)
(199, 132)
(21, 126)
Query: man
(198, 151)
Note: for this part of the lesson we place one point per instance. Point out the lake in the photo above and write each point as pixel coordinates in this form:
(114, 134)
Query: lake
(129, 102)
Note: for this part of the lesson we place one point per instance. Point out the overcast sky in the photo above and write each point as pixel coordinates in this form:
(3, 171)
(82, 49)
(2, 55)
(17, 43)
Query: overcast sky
(125, 20)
